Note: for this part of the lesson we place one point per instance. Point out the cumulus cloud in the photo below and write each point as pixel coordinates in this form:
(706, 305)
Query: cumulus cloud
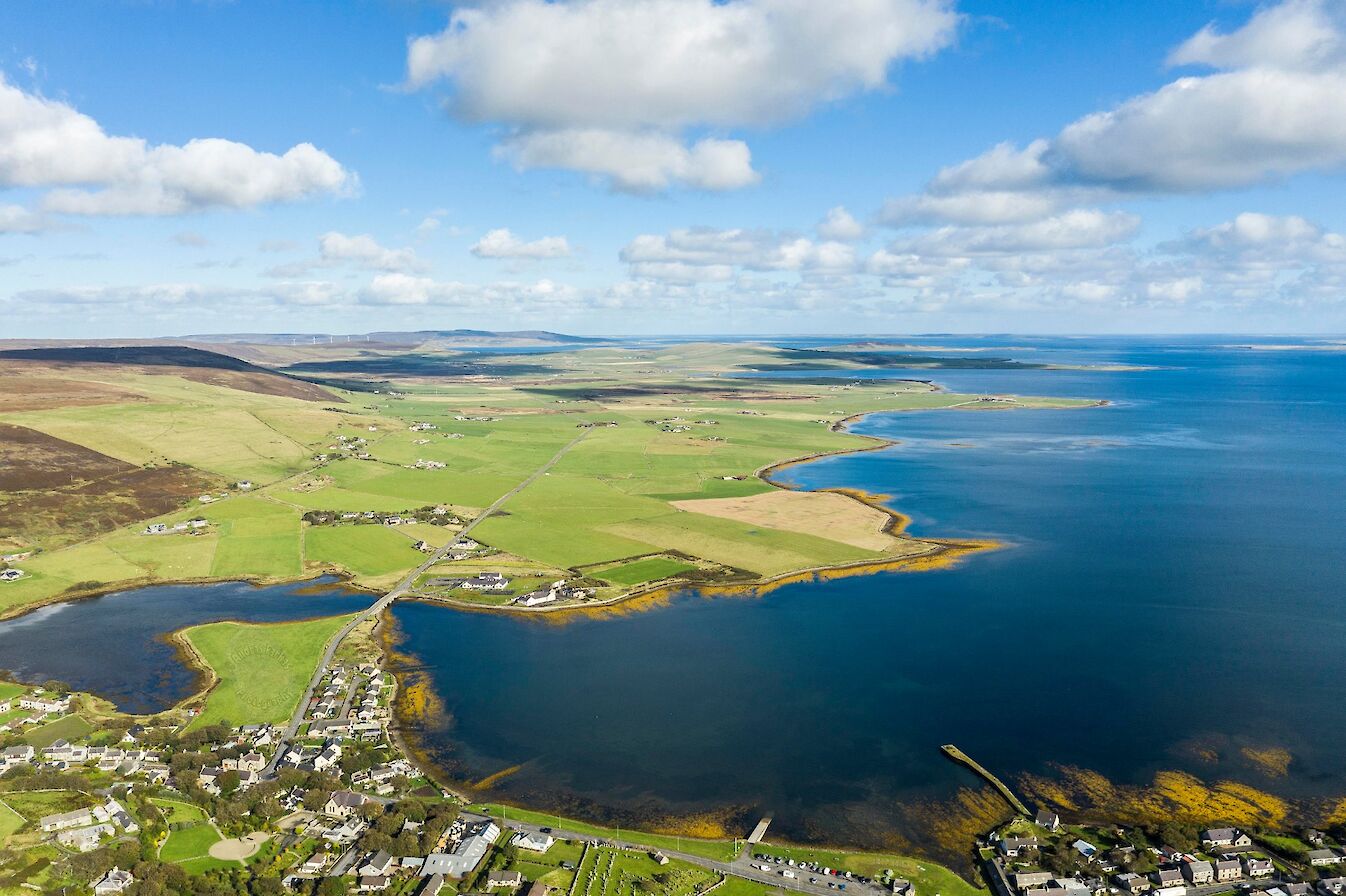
(1075, 229)
(48, 144)
(1271, 104)
(17, 219)
(587, 84)
(708, 254)
(500, 243)
(191, 239)
(500, 298)
(840, 225)
(364, 251)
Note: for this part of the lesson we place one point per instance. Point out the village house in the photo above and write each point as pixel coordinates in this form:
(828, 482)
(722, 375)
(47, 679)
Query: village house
(114, 881)
(45, 704)
(10, 575)
(1131, 883)
(343, 804)
(511, 879)
(1224, 837)
(1332, 886)
(379, 864)
(1048, 819)
(1014, 847)
(1168, 877)
(1255, 867)
(63, 820)
(1198, 873)
(1319, 858)
(534, 841)
(1227, 870)
(85, 839)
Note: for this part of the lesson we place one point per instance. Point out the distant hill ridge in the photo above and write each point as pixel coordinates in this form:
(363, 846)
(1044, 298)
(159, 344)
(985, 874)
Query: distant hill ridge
(401, 337)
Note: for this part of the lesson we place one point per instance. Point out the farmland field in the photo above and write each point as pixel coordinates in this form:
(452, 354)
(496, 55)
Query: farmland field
(649, 569)
(262, 669)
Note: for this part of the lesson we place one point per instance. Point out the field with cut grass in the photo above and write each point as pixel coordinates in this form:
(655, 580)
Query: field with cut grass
(71, 727)
(720, 850)
(262, 669)
(189, 843)
(928, 877)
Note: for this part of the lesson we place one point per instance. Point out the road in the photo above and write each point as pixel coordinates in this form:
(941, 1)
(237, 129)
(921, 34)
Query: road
(399, 590)
(739, 867)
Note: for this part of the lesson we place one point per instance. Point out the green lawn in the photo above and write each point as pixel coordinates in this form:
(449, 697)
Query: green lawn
(930, 878)
(9, 690)
(638, 572)
(263, 669)
(10, 821)
(190, 843)
(616, 872)
(176, 811)
(720, 850)
(364, 550)
(71, 727)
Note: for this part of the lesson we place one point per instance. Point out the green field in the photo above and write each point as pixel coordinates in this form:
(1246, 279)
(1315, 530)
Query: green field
(10, 821)
(71, 727)
(638, 572)
(720, 850)
(176, 811)
(929, 877)
(683, 431)
(190, 843)
(262, 669)
(617, 872)
(9, 690)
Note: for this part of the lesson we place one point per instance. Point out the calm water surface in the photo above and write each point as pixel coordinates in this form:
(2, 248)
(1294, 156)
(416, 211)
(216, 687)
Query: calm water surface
(116, 645)
(1174, 572)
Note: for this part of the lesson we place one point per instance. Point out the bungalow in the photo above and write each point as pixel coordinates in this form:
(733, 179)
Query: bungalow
(1048, 819)
(1085, 848)
(1014, 847)
(901, 887)
(1227, 870)
(85, 839)
(511, 879)
(1332, 886)
(1198, 873)
(45, 704)
(1318, 858)
(534, 841)
(1255, 867)
(245, 485)
(435, 883)
(1225, 837)
(16, 754)
(1131, 883)
(373, 883)
(63, 820)
(1169, 891)
(9, 575)
(487, 581)
(314, 863)
(114, 881)
(1025, 880)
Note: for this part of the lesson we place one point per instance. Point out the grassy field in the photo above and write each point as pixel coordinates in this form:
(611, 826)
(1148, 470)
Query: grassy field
(616, 872)
(71, 727)
(720, 850)
(190, 843)
(176, 811)
(638, 572)
(9, 690)
(262, 669)
(10, 821)
(930, 878)
(664, 427)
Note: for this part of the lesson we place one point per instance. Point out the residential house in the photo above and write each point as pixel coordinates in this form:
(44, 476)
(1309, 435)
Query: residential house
(373, 883)
(901, 887)
(376, 865)
(1048, 819)
(1331, 886)
(343, 804)
(1227, 870)
(534, 841)
(1224, 837)
(1014, 847)
(435, 883)
(63, 820)
(1025, 880)
(114, 881)
(511, 879)
(45, 704)
(1254, 867)
(314, 863)
(1198, 873)
(1168, 877)
(1319, 858)
(1131, 883)
(85, 839)
(1085, 848)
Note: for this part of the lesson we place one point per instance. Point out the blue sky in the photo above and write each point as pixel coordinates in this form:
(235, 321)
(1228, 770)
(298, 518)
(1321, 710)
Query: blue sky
(667, 166)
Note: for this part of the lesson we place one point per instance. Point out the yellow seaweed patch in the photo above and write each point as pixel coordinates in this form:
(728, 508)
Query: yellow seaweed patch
(490, 781)
(955, 823)
(1272, 761)
(1173, 795)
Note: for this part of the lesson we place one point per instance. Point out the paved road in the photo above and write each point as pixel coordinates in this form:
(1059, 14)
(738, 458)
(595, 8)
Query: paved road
(400, 590)
(739, 867)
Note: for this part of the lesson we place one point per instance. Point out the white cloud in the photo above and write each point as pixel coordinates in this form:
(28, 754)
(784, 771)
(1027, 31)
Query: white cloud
(500, 243)
(578, 80)
(841, 226)
(1075, 229)
(636, 162)
(703, 253)
(364, 251)
(499, 298)
(191, 239)
(17, 219)
(46, 143)
(1274, 106)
